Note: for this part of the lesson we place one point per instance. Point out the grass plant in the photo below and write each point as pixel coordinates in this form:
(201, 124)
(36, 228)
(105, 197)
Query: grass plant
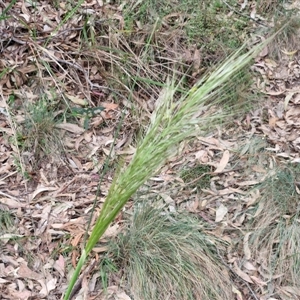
(108, 266)
(6, 221)
(170, 256)
(37, 133)
(191, 174)
(184, 36)
(195, 22)
(287, 42)
(171, 123)
(275, 237)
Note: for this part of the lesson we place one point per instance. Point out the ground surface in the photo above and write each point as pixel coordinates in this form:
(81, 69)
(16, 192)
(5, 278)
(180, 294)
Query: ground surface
(67, 87)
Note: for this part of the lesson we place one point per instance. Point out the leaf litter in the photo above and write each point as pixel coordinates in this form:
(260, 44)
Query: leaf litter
(52, 209)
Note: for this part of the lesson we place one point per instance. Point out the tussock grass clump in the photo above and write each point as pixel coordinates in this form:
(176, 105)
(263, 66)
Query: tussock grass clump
(186, 36)
(187, 23)
(170, 256)
(197, 175)
(276, 236)
(287, 41)
(6, 220)
(37, 134)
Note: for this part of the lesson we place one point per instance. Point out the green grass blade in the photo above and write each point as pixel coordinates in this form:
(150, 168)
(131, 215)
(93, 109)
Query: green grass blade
(9, 6)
